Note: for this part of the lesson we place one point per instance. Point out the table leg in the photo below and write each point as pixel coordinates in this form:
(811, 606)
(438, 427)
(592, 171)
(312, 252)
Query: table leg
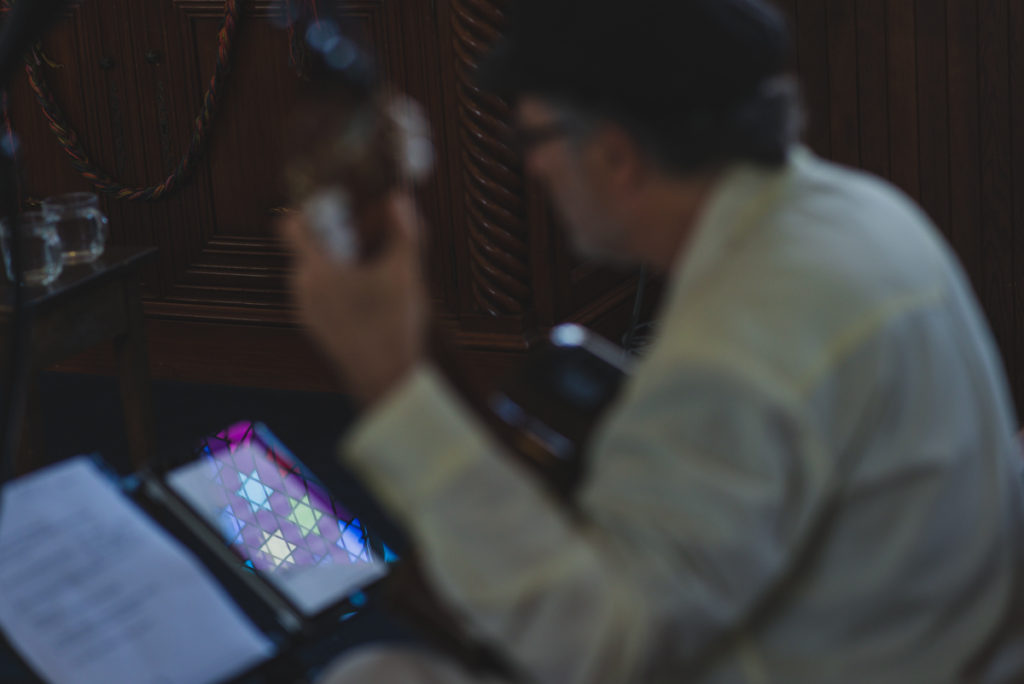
(31, 452)
(132, 361)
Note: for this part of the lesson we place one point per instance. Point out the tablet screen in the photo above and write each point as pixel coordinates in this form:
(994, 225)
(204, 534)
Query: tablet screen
(281, 524)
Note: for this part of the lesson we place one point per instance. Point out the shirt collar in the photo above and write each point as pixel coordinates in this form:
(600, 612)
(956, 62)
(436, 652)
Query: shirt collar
(740, 200)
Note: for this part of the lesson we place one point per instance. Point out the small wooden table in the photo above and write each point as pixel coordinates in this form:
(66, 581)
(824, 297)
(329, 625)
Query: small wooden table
(89, 304)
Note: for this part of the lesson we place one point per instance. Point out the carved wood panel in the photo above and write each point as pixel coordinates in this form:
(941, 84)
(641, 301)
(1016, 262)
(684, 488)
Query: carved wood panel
(131, 80)
(930, 96)
(494, 190)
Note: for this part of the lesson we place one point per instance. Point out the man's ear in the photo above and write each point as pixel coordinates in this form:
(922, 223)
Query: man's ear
(621, 163)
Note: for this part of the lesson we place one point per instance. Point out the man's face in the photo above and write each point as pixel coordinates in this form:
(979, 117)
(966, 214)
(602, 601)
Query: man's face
(576, 176)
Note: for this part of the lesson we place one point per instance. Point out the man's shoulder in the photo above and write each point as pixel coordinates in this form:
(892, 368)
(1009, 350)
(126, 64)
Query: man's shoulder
(841, 252)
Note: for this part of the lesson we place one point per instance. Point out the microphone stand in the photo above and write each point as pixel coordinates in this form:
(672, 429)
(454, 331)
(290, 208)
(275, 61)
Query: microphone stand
(25, 23)
(15, 374)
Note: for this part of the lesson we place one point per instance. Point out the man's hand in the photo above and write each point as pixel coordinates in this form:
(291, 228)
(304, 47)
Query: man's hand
(369, 317)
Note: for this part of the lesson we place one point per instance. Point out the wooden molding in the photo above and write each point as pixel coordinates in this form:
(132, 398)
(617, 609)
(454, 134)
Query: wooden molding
(494, 188)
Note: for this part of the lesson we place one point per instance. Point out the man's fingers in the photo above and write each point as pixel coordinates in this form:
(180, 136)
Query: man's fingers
(405, 226)
(400, 248)
(403, 211)
(296, 235)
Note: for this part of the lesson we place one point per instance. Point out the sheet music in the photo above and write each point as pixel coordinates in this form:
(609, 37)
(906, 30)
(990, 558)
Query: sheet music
(94, 591)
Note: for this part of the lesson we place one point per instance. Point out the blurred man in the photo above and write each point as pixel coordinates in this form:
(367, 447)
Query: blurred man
(812, 475)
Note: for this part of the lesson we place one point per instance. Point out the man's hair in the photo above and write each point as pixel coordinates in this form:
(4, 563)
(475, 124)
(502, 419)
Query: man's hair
(696, 82)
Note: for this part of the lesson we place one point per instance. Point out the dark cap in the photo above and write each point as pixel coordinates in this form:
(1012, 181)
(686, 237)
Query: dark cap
(643, 55)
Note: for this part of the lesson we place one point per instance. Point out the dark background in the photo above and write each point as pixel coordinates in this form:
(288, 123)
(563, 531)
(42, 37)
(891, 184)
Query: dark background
(930, 94)
(927, 93)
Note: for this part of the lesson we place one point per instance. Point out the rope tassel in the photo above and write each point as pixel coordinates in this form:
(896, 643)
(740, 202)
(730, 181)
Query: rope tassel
(104, 182)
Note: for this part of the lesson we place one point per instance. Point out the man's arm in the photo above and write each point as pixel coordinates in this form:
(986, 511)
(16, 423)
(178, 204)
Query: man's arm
(700, 495)
(702, 489)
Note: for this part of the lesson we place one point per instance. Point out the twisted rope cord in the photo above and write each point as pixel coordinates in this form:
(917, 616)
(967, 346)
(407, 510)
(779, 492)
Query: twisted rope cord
(494, 196)
(104, 182)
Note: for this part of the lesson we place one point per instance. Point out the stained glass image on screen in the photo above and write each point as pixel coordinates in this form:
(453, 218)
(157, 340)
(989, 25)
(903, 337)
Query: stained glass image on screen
(281, 524)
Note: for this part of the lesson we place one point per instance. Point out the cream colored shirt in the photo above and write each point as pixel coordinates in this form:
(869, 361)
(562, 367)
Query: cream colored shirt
(811, 477)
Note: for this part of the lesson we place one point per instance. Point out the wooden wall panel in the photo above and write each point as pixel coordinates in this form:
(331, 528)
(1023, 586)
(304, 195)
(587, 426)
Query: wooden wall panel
(964, 146)
(811, 40)
(1015, 241)
(132, 81)
(901, 72)
(872, 88)
(933, 109)
(66, 49)
(928, 93)
(844, 91)
(995, 279)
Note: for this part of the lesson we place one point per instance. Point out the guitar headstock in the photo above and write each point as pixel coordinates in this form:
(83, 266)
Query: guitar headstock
(352, 139)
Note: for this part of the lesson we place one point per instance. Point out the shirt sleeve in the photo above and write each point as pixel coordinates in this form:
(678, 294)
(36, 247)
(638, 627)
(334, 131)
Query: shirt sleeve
(700, 494)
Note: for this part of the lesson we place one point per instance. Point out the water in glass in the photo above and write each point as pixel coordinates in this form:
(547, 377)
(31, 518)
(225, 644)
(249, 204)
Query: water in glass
(41, 259)
(81, 225)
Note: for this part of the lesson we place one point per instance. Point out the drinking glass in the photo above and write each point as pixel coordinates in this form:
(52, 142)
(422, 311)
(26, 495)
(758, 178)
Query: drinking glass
(81, 225)
(41, 260)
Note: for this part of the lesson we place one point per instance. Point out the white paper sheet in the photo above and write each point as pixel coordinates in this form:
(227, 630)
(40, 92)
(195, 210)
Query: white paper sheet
(92, 590)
